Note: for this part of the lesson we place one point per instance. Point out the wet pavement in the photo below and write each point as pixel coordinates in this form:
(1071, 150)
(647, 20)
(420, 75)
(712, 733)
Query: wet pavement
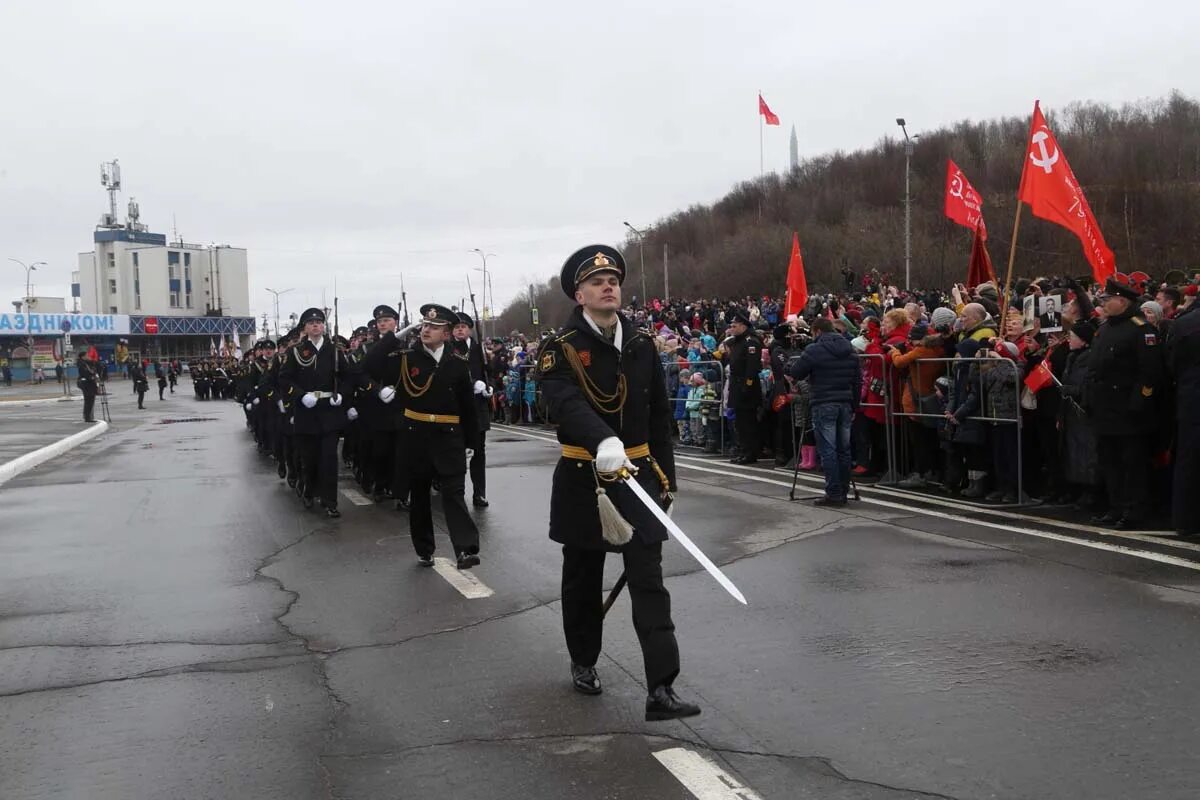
(179, 627)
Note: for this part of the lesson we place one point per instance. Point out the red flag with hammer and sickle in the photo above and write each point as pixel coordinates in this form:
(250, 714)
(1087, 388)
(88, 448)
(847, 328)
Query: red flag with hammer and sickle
(1049, 187)
(963, 203)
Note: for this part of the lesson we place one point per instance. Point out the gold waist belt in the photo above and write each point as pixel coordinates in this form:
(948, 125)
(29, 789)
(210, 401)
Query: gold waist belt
(444, 419)
(582, 454)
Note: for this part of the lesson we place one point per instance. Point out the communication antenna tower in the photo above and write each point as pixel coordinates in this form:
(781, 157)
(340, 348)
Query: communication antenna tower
(110, 179)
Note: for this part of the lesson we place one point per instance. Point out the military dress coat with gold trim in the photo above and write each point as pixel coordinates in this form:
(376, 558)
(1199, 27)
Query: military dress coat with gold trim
(640, 413)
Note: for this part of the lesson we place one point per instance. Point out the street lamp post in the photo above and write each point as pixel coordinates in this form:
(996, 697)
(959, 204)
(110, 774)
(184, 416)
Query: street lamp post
(641, 256)
(486, 283)
(908, 151)
(29, 269)
(277, 293)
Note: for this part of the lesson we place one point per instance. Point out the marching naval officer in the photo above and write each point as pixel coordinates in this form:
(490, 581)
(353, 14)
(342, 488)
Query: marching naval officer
(604, 386)
(469, 346)
(439, 429)
(316, 374)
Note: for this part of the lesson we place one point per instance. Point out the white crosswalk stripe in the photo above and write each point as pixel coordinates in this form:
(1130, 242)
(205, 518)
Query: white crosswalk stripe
(702, 777)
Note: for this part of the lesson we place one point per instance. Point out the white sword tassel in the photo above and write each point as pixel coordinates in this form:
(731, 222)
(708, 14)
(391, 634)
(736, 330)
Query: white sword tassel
(684, 540)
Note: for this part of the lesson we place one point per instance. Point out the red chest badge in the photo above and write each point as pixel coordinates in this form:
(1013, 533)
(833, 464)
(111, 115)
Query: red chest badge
(585, 357)
(414, 372)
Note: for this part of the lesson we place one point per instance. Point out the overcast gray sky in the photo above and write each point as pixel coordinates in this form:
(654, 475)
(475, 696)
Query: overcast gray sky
(365, 140)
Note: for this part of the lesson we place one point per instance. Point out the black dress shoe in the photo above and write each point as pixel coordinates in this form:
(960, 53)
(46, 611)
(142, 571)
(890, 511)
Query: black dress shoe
(308, 502)
(832, 502)
(1107, 518)
(1127, 524)
(467, 560)
(585, 680)
(378, 497)
(663, 704)
(292, 482)
(425, 561)
(479, 501)
(282, 471)
(402, 505)
(737, 460)
(333, 512)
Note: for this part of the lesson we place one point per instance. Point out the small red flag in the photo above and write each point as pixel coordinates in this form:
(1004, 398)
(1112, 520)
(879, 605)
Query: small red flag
(979, 268)
(1040, 376)
(767, 114)
(963, 203)
(1049, 186)
(797, 286)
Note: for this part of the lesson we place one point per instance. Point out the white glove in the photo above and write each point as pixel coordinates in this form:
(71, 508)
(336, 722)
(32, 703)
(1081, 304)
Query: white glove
(309, 399)
(480, 387)
(255, 401)
(336, 400)
(352, 414)
(489, 392)
(387, 394)
(610, 455)
(279, 403)
(249, 406)
(412, 327)
(470, 453)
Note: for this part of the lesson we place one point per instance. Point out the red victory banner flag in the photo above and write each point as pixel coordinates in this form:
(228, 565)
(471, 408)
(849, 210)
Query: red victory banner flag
(797, 286)
(979, 269)
(963, 203)
(768, 115)
(1049, 186)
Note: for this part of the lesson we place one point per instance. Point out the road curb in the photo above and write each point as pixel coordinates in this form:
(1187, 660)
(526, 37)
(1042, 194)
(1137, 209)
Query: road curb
(20, 464)
(39, 401)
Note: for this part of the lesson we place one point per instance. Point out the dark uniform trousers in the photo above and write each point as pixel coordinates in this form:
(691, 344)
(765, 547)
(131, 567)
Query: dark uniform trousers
(89, 399)
(431, 453)
(479, 469)
(745, 423)
(381, 462)
(1125, 462)
(583, 608)
(319, 465)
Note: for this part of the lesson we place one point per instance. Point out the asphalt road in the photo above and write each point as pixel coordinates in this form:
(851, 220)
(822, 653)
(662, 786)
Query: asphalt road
(174, 625)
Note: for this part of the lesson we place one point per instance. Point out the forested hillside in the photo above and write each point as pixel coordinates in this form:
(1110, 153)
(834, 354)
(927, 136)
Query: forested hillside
(1139, 166)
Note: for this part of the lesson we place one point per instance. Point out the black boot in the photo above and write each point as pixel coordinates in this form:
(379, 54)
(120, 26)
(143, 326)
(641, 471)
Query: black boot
(663, 704)
(585, 680)
(977, 489)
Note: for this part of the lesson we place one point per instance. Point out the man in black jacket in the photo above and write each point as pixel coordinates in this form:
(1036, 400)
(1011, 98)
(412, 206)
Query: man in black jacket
(603, 384)
(481, 385)
(835, 383)
(315, 374)
(1183, 360)
(1125, 374)
(745, 386)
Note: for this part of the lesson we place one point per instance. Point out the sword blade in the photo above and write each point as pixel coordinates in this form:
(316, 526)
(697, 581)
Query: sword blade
(684, 540)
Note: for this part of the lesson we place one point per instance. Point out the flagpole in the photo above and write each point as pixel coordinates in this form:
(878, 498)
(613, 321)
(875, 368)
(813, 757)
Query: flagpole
(761, 170)
(1012, 255)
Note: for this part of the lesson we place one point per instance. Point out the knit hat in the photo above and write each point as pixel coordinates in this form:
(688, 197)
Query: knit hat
(1085, 329)
(918, 332)
(1154, 307)
(698, 378)
(989, 291)
(1008, 350)
(942, 318)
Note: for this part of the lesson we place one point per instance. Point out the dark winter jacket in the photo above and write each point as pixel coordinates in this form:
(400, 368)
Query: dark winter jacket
(832, 370)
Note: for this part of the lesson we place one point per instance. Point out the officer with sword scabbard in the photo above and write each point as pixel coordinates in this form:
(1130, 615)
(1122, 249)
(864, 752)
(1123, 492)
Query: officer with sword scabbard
(603, 384)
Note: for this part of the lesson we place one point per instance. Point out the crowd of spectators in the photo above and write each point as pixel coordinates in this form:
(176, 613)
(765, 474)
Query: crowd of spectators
(954, 395)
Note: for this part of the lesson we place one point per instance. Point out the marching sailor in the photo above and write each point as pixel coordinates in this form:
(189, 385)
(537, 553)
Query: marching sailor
(469, 346)
(437, 427)
(603, 384)
(312, 379)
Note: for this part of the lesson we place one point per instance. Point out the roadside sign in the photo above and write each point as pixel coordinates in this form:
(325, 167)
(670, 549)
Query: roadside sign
(151, 325)
(65, 326)
(67, 339)
(535, 317)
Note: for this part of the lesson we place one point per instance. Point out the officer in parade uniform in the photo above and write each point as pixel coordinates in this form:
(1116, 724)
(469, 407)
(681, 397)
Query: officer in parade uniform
(1120, 397)
(352, 439)
(380, 420)
(466, 343)
(604, 385)
(312, 379)
(745, 386)
(438, 427)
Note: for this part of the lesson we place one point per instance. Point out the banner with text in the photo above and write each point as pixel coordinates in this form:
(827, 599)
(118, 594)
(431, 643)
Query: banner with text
(52, 324)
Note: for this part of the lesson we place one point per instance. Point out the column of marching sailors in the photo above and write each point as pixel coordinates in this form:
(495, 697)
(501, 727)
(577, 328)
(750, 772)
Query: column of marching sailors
(412, 406)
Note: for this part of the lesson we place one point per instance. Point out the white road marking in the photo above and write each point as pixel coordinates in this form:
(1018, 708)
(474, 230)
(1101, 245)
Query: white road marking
(357, 497)
(702, 777)
(1162, 558)
(467, 584)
